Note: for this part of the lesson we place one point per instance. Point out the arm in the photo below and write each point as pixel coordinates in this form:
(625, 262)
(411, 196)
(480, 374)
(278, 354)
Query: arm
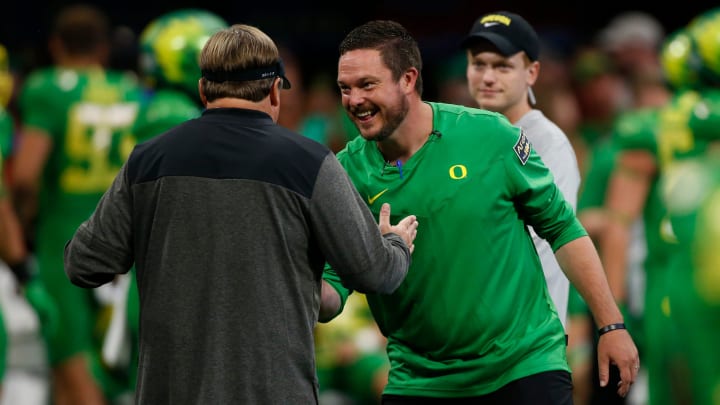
(365, 259)
(102, 246)
(333, 293)
(581, 263)
(627, 192)
(28, 164)
(12, 243)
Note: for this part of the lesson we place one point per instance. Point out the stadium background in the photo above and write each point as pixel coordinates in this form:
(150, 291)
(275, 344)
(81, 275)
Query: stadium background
(312, 30)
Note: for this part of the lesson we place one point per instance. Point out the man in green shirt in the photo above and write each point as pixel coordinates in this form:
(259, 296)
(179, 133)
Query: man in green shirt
(473, 321)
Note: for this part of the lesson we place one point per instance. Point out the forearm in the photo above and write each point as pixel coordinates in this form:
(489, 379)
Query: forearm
(12, 242)
(29, 162)
(613, 253)
(24, 201)
(330, 302)
(581, 264)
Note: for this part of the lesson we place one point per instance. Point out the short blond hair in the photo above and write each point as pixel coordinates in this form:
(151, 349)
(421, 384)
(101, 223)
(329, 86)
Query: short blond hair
(237, 48)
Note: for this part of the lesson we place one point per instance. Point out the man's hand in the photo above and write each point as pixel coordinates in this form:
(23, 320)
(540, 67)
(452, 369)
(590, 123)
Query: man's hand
(617, 348)
(406, 228)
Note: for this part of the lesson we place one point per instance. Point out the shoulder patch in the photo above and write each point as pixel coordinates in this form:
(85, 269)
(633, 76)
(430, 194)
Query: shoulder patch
(522, 148)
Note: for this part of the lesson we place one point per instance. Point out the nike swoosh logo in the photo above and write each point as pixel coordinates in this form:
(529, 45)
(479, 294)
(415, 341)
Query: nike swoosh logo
(376, 196)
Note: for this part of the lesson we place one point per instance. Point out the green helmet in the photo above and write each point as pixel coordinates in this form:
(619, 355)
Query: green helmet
(170, 47)
(679, 60)
(705, 32)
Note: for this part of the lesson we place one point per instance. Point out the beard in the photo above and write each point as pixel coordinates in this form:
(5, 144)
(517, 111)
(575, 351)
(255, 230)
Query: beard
(394, 116)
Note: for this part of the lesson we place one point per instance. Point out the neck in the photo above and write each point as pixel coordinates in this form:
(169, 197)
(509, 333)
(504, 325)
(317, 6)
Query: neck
(517, 111)
(228, 102)
(411, 135)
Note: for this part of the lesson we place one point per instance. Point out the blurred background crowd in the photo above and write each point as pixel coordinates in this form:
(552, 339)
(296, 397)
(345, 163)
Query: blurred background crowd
(599, 64)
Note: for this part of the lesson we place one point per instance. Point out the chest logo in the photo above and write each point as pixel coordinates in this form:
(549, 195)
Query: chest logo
(372, 199)
(522, 148)
(458, 172)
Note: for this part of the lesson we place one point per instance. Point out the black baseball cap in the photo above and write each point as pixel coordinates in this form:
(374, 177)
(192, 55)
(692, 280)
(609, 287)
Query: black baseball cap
(509, 32)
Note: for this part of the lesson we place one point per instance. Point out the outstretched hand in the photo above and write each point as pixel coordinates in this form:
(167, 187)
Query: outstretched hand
(406, 228)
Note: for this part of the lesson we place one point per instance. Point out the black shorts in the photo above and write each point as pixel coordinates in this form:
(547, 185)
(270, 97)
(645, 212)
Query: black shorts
(548, 388)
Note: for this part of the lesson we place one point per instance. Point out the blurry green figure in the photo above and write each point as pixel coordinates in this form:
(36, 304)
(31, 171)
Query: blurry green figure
(76, 118)
(350, 352)
(653, 144)
(13, 251)
(169, 55)
(692, 194)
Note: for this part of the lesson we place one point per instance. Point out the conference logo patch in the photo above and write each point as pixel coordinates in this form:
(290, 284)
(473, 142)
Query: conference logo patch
(522, 148)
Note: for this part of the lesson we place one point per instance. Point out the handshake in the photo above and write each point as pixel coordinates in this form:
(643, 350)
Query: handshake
(406, 228)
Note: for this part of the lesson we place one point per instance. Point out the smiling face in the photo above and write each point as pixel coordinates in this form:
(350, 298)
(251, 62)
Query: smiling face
(375, 102)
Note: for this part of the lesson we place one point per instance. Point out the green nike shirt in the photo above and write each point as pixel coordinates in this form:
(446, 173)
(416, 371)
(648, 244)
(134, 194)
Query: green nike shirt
(473, 313)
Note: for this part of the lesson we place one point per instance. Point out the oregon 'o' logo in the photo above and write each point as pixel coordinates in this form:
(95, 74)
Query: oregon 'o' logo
(458, 172)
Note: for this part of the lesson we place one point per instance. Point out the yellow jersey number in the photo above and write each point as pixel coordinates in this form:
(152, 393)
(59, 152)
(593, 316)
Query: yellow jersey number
(93, 129)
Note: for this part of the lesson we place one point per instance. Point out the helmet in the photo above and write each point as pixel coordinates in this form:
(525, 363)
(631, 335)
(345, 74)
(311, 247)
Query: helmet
(679, 60)
(705, 32)
(170, 47)
(6, 80)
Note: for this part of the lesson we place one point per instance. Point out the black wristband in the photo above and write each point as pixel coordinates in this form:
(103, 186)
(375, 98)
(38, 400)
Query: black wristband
(609, 328)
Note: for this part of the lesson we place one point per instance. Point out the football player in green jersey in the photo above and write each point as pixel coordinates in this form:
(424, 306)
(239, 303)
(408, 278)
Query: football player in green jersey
(651, 143)
(76, 132)
(691, 191)
(473, 321)
(170, 46)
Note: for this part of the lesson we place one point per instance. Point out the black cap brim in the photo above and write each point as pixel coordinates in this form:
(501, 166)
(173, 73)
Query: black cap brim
(285, 82)
(505, 47)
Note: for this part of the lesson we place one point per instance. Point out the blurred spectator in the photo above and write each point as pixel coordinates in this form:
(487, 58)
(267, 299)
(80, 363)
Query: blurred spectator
(632, 39)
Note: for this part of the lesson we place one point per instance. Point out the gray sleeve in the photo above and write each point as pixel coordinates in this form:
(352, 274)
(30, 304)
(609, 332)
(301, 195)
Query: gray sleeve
(563, 165)
(102, 245)
(349, 235)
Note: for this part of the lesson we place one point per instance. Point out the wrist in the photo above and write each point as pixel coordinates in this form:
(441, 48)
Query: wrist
(611, 327)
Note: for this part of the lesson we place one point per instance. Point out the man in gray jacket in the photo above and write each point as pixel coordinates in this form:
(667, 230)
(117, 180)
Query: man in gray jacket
(229, 220)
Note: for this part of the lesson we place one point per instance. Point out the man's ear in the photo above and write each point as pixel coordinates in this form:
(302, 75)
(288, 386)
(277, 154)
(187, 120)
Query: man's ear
(533, 72)
(275, 92)
(201, 92)
(409, 78)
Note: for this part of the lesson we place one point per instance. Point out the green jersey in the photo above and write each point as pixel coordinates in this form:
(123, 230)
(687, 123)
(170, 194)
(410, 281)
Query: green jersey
(162, 110)
(693, 198)
(89, 115)
(664, 133)
(473, 313)
(692, 194)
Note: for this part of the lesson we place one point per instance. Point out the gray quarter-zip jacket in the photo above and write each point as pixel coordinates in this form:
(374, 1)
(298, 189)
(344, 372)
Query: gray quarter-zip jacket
(229, 220)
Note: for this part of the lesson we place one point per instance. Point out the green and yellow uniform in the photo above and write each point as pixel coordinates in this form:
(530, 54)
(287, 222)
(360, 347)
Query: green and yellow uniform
(473, 313)
(664, 133)
(692, 192)
(89, 114)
